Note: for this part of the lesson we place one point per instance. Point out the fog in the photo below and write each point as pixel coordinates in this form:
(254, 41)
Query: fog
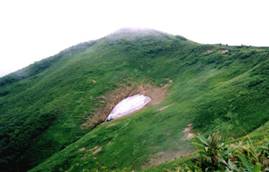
(31, 30)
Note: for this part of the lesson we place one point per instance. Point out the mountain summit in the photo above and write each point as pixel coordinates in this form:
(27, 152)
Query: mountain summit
(131, 33)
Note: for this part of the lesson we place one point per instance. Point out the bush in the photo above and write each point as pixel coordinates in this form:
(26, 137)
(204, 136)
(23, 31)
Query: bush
(216, 155)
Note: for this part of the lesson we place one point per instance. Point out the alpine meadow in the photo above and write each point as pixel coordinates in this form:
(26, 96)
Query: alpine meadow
(209, 109)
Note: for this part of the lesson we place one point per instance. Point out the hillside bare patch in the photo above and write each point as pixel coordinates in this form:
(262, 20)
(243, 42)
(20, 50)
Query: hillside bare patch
(157, 94)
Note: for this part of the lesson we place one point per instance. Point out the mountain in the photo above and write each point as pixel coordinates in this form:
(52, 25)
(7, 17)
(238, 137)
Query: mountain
(52, 112)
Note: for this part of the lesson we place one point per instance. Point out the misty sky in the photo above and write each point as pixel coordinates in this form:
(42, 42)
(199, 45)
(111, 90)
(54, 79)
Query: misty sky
(34, 29)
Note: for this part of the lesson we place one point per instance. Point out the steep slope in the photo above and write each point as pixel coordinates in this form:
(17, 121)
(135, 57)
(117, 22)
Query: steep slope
(255, 139)
(213, 87)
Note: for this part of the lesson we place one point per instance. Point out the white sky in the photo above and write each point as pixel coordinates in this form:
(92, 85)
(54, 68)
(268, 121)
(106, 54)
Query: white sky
(34, 29)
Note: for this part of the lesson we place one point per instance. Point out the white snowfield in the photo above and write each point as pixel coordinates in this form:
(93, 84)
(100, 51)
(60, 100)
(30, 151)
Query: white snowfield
(128, 105)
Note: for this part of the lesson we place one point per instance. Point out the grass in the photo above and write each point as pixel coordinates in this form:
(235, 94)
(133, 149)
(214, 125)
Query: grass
(247, 153)
(41, 114)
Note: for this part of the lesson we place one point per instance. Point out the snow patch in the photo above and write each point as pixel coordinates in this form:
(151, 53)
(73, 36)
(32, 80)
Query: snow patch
(128, 105)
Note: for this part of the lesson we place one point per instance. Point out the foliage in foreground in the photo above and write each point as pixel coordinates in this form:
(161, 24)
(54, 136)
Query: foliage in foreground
(216, 155)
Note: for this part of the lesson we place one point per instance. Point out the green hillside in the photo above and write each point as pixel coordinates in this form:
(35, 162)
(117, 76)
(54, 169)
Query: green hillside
(255, 140)
(44, 106)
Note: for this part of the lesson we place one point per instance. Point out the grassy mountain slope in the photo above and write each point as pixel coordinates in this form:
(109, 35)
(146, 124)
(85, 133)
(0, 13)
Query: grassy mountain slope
(214, 87)
(256, 138)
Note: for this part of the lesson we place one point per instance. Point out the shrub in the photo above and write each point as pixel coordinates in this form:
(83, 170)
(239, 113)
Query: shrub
(216, 155)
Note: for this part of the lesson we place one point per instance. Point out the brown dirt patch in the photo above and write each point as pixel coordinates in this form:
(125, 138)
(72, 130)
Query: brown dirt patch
(163, 157)
(169, 155)
(96, 150)
(157, 94)
(188, 132)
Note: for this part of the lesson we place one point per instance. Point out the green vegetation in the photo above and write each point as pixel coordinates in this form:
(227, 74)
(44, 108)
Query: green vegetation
(214, 154)
(216, 88)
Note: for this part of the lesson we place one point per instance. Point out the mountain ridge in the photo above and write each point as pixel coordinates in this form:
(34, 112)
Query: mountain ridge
(214, 87)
